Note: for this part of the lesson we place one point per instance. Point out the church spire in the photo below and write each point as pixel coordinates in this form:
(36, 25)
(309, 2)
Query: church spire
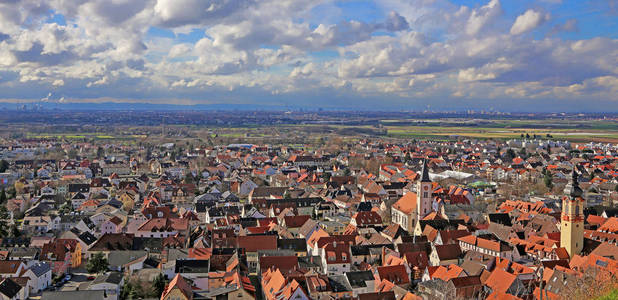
(574, 191)
(425, 172)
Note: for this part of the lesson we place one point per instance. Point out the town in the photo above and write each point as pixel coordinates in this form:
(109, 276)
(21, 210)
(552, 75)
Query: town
(291, 213)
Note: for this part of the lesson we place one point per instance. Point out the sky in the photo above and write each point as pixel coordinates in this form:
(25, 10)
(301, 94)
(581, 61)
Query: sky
(515, 55)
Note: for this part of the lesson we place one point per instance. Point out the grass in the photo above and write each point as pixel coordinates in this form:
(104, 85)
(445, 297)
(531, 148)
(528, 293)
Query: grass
(575, 135)
(612, 295)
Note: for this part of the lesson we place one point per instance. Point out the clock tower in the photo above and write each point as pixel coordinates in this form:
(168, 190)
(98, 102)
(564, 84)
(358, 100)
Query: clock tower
(423, 193)
(572, 218)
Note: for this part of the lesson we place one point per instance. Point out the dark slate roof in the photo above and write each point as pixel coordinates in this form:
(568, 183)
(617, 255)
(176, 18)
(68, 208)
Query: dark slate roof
(147, 243)
(298, 245)
(390, 295)
(74, 295)
(299, 202)
(364, 249)
(441, 224)
(111, 277)
(9, 288)
(339, 284)
(79, 187)
(358, 279)
(364, 206)
(87, 238)
(40, 268)
(500, 218)
(192, 266)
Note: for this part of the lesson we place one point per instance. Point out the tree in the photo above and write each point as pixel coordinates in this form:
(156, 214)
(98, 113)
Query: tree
(510, 154)
(189, 178)
(12, 192)
(2, 196)
(100, 152)
(72, 154)
(97, 263)
(159, 284)
(523, 153)
(128, 291)
(326, 176)
(3, 166)
(547, 179)
(4, 217)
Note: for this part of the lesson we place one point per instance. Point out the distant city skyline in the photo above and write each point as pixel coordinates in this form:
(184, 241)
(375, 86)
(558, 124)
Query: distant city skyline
(546, 55)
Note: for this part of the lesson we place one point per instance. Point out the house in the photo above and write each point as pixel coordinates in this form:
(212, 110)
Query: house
(163, 227)
(11, 268)
(10, 290)
(396, 274)
(40, 275)
(486, 246)
(177, 289)
(336, 258)
(299, 246)
(111, 225)
(110, 283)
(308, 228)
(442, 255)
(403, 212)
(192, 268)
(77, 295)
(232, 286)
(85, 238)
(363, 219)
(276, 287)
(110, 242)
(501, 281)
(126, 261)
(294, 223)
(62, 254)
(39, 224)
(361, 282)
(252, 243)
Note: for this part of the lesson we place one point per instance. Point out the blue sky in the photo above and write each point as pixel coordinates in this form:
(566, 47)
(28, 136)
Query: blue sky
(547, 55)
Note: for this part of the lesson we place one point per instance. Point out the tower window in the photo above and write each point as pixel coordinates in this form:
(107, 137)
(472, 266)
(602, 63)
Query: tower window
(424, 194)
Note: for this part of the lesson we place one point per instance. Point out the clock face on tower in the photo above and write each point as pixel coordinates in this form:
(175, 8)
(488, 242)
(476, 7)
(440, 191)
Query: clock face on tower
(426, 187)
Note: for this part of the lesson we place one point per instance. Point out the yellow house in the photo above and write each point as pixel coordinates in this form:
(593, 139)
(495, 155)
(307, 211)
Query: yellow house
(76, 256)
(128, 199)
(177, 289)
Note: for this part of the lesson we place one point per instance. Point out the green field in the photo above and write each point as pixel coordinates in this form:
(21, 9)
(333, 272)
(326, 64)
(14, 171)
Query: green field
(575, 131)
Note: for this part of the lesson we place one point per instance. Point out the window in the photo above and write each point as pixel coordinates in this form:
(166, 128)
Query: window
(424, 194)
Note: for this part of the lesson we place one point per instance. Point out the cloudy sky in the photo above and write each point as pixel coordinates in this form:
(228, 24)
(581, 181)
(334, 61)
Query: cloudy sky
(556, 55)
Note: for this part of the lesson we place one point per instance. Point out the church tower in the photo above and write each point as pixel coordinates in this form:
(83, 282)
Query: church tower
(423, 193)
(572, 218)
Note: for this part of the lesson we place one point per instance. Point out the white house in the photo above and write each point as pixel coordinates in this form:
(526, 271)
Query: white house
(40, 275)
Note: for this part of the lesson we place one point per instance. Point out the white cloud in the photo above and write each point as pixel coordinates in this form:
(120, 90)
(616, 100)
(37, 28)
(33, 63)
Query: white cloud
(481, 17)
(528, 21)
(284, 48)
